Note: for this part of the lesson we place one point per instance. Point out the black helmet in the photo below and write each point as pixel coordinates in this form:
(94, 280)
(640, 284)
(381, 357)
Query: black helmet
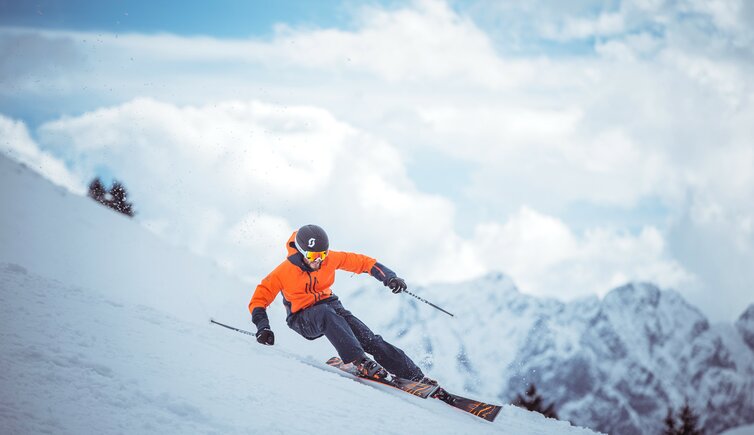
(312, 238)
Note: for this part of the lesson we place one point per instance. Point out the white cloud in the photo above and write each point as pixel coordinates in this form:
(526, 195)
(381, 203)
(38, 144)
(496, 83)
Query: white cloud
(256, 233)
(258, 228)
(18, 144)
(32, 62)
(606, 23)
(242, 146)
(731, 16)
(427, 41)
(200, 191)
(227, 178)
(547, 258)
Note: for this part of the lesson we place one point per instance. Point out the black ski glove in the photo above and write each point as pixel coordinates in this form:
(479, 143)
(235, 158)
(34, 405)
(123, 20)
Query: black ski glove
(396, 284)
(265, 336)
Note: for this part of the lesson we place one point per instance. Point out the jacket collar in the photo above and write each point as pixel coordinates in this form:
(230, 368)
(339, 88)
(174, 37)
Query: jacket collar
(294, 256)
(298, 260)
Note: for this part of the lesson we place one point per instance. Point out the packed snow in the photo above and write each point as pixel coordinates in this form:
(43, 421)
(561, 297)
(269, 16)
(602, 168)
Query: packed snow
(104, 328)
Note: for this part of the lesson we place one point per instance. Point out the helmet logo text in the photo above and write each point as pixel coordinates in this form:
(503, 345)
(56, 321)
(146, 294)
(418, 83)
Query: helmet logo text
(311, 242)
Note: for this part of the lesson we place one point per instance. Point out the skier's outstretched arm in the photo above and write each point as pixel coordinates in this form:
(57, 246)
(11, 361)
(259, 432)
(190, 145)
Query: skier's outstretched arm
(359, 263)
(388, 277)
(263, 296)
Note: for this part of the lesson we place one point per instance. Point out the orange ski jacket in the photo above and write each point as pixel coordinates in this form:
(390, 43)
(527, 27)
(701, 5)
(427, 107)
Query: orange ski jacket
(303, 287)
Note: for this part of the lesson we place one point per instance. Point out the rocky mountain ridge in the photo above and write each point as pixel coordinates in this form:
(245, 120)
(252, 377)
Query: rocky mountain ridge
(614, 365)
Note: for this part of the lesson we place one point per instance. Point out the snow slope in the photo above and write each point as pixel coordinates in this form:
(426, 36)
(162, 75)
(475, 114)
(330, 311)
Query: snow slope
(742, 430)
(104, 329)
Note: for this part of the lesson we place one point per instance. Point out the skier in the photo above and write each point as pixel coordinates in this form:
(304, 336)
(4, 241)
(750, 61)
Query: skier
(305, 278)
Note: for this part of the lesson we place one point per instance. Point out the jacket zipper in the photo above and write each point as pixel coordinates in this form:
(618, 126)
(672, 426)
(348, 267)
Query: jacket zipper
(311, 288)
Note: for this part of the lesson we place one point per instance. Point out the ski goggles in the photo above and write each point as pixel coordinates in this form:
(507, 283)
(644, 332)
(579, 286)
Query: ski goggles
(314, 256)
(311, 255)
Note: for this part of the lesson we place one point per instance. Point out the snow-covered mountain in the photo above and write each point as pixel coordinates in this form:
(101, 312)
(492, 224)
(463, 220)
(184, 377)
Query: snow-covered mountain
(104, 329)
(614, 365)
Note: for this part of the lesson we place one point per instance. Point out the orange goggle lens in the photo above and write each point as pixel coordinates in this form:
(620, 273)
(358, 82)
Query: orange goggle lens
(313, 256)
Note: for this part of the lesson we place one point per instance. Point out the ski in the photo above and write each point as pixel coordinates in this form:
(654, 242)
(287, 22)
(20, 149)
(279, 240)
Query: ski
(412, 387)
(474, 407)
(480, 409)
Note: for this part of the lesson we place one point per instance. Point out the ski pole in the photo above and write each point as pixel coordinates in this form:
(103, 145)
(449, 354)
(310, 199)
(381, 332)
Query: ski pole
(233, 328)
(427, 302)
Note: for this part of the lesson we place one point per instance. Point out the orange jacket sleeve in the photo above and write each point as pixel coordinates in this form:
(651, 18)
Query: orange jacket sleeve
(352, 262)
(266, 292)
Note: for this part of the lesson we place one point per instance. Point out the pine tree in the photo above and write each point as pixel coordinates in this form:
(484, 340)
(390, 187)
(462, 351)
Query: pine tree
(116, 198)
(119, 199)
(688, 422)
(532, 401)
(97, 191)
(670, 428)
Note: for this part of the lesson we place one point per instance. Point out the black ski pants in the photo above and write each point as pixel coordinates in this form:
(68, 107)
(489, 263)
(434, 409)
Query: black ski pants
(351, 337)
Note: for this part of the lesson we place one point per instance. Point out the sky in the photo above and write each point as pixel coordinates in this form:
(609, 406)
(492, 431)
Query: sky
(574, 146)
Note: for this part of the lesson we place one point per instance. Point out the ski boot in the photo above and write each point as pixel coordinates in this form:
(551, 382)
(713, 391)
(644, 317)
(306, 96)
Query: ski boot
(369, 368)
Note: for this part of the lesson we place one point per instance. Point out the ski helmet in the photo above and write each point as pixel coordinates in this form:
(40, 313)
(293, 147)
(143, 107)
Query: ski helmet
(312, 238)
